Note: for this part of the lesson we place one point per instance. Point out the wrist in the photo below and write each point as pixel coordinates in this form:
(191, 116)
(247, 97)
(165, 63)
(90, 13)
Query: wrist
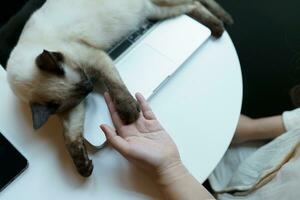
(171, 174)
(269, 128)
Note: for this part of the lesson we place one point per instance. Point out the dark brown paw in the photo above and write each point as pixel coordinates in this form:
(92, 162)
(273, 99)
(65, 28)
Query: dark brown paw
(128, 109)
(215, 9)
(213, 23)
(210, 19)
(80, 158)
(217, 28)
(85, 168)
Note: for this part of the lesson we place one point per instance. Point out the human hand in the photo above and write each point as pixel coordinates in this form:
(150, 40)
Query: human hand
(211, 14)
(145, 143)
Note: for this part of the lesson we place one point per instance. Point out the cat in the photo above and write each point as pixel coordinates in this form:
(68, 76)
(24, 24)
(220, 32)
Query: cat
(60, 57)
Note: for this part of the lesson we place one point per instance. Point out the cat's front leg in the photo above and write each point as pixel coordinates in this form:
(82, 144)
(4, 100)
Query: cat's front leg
(73, 124)
(125, 103)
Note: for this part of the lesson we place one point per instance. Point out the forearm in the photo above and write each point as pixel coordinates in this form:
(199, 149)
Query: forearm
(269, 127)
(258, 129)
(177, 183)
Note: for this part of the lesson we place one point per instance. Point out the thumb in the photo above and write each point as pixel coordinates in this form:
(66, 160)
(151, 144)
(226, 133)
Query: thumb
(116, 141)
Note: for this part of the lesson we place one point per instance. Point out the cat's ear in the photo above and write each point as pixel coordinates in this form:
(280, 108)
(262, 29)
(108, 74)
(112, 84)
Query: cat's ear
(51, 62)
(41, 113)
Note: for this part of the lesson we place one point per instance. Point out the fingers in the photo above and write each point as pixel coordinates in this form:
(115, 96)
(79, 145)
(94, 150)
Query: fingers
(146, 110)
(218, 11)
(203, 15)
(116, 141)
(114, 114)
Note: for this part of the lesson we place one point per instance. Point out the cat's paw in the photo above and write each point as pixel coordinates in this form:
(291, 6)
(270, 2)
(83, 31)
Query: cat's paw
(80, 158)
(128, 109)
(204, 16)
(85, 168)
(216, 26)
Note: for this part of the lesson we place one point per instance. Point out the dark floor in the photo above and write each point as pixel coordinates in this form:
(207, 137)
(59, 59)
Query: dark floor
(267, 37)
(14, 15)
(8, 8)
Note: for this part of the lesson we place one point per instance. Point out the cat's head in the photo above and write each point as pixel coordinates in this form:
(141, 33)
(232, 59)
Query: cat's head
(52, 85)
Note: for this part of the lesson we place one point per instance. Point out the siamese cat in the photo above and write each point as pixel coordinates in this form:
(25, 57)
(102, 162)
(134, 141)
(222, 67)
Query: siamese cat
(60, 57)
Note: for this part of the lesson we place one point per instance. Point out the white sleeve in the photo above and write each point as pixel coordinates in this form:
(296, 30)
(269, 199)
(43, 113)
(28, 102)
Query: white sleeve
(291, 119)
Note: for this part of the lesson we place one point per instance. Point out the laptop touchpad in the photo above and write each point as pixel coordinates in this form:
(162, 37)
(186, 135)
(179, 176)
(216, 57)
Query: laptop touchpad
(143, 69)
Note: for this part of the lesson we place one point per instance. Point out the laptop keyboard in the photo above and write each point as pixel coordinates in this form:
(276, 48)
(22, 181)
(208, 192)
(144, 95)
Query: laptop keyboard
(126, 42)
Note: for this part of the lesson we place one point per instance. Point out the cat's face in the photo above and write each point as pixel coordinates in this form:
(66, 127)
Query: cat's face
(57, 86)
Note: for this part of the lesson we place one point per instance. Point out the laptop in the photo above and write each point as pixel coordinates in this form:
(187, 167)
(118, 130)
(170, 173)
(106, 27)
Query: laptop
(151, 55)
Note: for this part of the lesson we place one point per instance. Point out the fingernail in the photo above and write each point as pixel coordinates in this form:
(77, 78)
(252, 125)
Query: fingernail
(102, 126)
(139, 94)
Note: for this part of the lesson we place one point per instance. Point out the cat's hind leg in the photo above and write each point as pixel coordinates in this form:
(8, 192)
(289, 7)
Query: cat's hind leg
(217, 10)
(73, 124)
(163, 12)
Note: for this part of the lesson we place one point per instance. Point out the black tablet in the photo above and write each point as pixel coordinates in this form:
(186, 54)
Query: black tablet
(12, 162)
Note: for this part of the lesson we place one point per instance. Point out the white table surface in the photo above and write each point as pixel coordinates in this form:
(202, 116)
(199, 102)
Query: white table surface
(199, 107)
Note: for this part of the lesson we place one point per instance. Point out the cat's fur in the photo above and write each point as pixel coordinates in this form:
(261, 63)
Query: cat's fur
(61, 55)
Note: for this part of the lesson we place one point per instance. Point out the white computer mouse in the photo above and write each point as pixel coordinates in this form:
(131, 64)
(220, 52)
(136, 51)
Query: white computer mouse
(97, 113)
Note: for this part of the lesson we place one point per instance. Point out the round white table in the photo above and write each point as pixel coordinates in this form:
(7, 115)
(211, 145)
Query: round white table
(199, 107)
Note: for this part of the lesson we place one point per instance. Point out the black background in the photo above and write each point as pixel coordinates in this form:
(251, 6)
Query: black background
(267, 37)
(8, 8)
